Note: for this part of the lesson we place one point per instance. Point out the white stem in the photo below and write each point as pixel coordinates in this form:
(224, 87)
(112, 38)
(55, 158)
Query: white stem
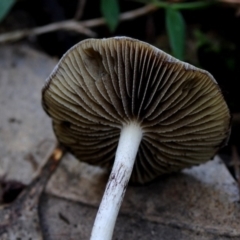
(130, 138)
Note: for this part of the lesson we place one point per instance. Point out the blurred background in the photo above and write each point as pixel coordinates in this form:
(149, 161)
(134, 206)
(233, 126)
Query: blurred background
(204, 33)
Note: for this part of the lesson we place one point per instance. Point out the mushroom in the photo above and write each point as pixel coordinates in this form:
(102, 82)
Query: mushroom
(127, 106)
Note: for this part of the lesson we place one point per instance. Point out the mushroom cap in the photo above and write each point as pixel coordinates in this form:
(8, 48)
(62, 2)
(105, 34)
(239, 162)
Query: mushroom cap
(99, 86)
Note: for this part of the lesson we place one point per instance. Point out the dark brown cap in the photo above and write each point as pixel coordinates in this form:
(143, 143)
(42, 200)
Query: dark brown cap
(99, 86)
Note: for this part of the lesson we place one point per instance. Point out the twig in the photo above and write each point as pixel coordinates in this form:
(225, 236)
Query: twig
(71, 25)
(21, 217)
(80, 8)
(81, 27)
(123, 17)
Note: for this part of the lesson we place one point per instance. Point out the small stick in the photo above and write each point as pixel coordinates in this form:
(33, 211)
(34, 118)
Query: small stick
(21, 217)
(80, 8)
(73, 25)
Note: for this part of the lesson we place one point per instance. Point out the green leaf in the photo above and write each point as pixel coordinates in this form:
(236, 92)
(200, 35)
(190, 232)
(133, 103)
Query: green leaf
(5, 6)
(176, 32)
(110, 11)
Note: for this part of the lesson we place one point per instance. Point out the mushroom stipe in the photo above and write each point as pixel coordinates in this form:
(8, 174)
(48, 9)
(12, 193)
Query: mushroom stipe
(127, 106)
